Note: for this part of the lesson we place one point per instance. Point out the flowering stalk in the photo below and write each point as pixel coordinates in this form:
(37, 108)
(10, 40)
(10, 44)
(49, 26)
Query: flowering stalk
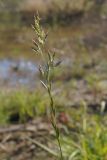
(48, 60)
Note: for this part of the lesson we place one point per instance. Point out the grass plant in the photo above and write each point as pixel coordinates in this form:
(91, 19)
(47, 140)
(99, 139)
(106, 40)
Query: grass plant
(46, 70)
(88, 141)
(20, 106)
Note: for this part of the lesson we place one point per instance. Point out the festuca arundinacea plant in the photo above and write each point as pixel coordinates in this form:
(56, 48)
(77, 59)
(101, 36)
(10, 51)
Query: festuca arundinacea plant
(46, 69)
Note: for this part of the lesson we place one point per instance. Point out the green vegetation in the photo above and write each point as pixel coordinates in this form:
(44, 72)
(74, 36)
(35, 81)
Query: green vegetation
(84, 133)
(89, 140)
(20, 106)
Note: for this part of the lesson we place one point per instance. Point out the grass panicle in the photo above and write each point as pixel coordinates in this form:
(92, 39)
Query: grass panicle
(46, 70)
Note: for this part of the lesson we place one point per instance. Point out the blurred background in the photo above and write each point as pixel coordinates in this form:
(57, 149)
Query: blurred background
(76, 31)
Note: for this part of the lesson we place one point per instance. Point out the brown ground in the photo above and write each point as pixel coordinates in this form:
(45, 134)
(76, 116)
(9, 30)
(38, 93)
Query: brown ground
(23, 141)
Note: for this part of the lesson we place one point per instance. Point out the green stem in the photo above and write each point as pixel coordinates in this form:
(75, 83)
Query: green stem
(61, 155)
(48, 61)
(53, 115)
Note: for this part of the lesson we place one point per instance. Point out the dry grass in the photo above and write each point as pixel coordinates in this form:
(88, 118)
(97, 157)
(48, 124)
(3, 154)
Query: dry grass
(45, 6)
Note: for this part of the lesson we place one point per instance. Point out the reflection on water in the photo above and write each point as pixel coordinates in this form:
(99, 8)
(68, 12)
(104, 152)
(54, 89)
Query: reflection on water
(17, 72)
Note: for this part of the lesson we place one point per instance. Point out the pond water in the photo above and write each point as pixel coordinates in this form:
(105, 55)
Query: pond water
(21, 72)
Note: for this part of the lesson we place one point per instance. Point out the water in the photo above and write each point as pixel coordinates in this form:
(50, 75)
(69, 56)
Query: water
(17, 72)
